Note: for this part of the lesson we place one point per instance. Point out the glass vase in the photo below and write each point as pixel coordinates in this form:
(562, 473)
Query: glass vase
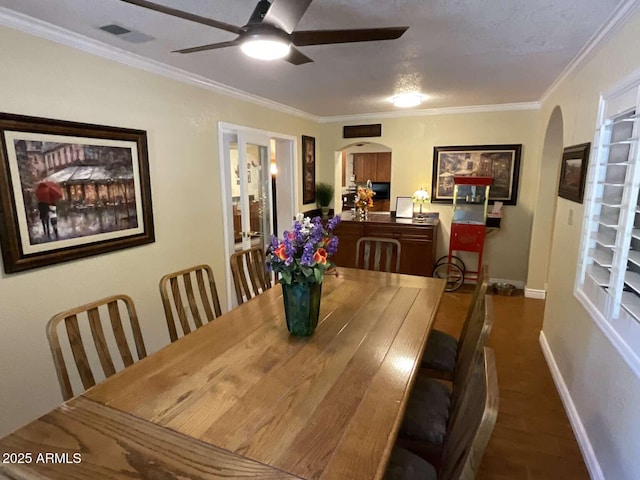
(302, 307)
(362, 213)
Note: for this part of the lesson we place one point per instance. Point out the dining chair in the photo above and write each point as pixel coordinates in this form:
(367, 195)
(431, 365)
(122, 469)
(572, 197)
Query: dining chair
(432, 405)
(467, 436)
(379, 254)
(178, 290)
(442, 350)
(105, 312)
(249, 272)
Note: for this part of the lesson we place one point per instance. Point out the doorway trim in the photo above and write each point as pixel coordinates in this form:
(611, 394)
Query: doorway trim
(287, 198)
(544, 216)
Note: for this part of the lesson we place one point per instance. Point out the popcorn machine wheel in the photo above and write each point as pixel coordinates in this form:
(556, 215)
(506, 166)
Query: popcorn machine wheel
(468, 230)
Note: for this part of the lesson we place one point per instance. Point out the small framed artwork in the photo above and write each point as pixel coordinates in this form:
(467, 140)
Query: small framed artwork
(308, 169)
(501, 162)
(70, 190)
(404, 207)
(573, 172)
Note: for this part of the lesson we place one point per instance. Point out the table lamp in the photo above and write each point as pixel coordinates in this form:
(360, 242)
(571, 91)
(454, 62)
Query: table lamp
(420, 197)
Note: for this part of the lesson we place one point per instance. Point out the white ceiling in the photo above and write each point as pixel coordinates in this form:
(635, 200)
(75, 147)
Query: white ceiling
(460, 53)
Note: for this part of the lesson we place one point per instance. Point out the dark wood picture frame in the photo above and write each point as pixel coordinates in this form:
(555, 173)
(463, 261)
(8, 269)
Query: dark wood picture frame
(70, 190)
(502, 162)
(573, 172)
(308, 169)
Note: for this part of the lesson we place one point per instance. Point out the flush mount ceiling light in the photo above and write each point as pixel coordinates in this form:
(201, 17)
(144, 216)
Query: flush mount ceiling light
(406, 100)
(266, 46)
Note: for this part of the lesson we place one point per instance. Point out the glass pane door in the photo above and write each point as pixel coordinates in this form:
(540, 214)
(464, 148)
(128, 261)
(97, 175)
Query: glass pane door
(249, 188)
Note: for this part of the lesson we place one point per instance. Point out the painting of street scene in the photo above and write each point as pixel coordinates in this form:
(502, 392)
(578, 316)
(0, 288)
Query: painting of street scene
(502, 164)
(72, 190)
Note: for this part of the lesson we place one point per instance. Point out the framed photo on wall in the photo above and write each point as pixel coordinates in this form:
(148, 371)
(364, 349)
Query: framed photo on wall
(501, 162)
(308, 169)
(573, 172)
(70, 190)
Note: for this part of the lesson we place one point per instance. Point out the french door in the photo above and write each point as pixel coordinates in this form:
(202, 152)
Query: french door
(249, 188)
(248, 178)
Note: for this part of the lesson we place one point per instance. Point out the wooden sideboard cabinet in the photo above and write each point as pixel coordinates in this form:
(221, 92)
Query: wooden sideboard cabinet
(418, 241)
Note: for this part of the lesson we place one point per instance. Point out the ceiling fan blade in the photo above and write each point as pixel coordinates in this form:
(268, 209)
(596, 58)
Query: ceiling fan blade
(285, 14)
(211, 46)
(185, 15)
(297, 57)
(323, 37)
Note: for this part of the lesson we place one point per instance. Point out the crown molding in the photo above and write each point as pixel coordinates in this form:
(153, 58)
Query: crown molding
(48, 31)
(615, 22)
(502, 107)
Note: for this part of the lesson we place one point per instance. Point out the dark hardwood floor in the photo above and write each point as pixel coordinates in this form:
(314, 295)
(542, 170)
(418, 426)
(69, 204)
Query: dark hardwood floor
(532, 438)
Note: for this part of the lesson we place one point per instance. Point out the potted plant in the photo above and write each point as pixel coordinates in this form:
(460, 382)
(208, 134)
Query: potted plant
(324, 195)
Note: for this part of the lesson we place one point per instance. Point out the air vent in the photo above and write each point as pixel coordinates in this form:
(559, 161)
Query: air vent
(125, 34)
(115, 29)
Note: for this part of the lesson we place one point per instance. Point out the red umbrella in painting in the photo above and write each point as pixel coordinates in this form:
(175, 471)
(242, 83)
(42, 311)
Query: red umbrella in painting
(48, 192)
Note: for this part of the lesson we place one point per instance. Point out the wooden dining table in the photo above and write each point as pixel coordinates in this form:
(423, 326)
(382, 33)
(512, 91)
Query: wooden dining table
(241, 398)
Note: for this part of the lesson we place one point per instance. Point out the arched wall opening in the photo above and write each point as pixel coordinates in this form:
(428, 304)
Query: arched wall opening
(545, 209)
(344, 167)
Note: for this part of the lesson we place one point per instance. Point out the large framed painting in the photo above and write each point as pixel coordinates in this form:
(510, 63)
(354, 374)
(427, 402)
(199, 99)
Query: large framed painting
(573, 172)
(501, 162)
(308, 169)
(70, 190)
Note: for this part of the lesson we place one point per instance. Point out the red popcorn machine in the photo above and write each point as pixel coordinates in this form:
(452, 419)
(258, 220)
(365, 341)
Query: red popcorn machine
(468, 230)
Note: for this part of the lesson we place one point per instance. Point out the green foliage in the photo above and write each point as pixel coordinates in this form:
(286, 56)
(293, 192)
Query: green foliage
(324, 194)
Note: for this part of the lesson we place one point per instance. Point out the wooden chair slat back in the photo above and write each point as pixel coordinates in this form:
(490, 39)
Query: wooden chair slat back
(473, 343)
(177, 291)
(249, 272)
(179, 308)
(100, 342)
(79, 353)
(379, 254)
(469, 432)
(191, 300)
(478, 295)
(211, 310)
(120, 337)
(96, 323)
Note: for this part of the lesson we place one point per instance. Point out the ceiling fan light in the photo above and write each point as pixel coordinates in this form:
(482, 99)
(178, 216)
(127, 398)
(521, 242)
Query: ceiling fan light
(406, 100)
(264, 48)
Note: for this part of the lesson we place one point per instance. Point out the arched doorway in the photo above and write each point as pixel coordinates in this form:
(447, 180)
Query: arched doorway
(544, 213)
(354, 165)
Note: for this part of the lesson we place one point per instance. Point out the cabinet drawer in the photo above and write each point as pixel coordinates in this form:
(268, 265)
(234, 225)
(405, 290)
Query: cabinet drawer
(418, 233)
(381, 230)
(350, 229)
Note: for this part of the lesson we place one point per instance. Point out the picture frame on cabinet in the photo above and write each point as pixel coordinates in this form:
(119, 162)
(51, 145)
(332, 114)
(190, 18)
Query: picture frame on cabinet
(404, 207)
(70, 190)
(573, 172)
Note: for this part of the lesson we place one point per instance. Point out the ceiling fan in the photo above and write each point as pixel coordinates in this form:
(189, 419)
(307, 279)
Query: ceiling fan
(269, 33)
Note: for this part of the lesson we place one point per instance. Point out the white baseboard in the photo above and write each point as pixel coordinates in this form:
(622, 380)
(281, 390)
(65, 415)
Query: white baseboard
(574, 418)
(533, 293)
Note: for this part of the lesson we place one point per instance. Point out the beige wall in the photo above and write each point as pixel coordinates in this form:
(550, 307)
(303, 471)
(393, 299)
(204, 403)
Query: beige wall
(412, 140)
(602, 387)
(44, 79)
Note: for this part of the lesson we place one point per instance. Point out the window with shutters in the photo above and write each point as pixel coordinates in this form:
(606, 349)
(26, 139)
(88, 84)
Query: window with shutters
(608, 280)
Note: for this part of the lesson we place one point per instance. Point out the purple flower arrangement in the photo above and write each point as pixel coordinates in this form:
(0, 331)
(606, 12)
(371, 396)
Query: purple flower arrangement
(301, 256)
